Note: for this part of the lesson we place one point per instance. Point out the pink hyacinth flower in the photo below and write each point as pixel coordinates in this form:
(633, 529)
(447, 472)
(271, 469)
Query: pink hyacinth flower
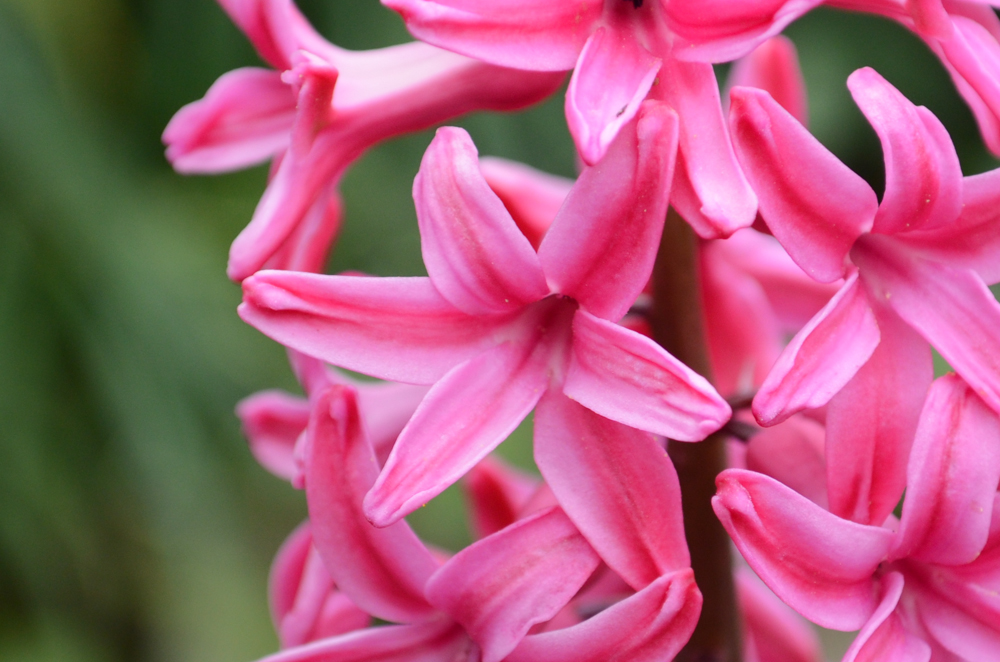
(481, 603)
(622, 53)
(924, 588)
(916, 265)
(497, 325)
(318, 111)
(965, 35)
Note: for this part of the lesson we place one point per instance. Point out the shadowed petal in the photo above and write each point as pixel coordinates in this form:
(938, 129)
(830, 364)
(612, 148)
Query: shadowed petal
(723, 30)
(923, 179)
(244, 119)
(382, 570)
(627, 377)
(870, 424)
(502, 585)
(774, 67)
(814, 204)
(972, 241)
(464, 417)
(496, 494)
(821, 358)
(710, 189)
(612, 77)
(475, 254)
(272, 422)
(819, 564)
(650, 626)
(776, 633)
(392, 328)
(884, 638)
(617, 485)
(951, 308)
(531, 196)
(601, 246)
(792, 452)
(953, 476)
(522, 34)
(972, 56)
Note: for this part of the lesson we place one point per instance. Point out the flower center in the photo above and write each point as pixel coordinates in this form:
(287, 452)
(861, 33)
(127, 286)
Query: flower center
(635, 3)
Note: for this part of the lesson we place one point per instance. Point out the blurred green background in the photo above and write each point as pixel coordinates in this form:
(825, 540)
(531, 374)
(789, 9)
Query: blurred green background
(134, 524)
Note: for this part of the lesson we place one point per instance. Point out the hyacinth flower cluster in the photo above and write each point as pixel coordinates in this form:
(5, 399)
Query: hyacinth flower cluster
(718, 328)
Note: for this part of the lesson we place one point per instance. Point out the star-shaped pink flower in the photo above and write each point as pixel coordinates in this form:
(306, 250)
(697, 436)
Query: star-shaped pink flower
(496, 325)
(923, 588)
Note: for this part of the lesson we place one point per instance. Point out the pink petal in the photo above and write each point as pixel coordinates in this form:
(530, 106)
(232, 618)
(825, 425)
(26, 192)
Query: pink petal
(710, 189)
(601, 247)
(245, 118)
(923, 179)
(774, 67)
(305, 604)
(951, 308)
(819, 564)
(382, 570)
(612, 77)
(502, 585)
(513, 33)
(794, 296)
(308, 246)
(393, 328)
(870, 424)
(464, 417)
(303, 175)
(812, 202)
(439, 640)
(385, 410)
(953, 476)
(969, 630)
(532, 197)
(628, 378)
(822, 358)
(930, 17)
(884, 638)
(496, 493)
(272, 422)
(971, 56)
(791, 452)
(743, 333)
(617, 485)
(276, 28)
(775, 632)
(475, 255)
(723, 30)
(650, 626)
(972, 241)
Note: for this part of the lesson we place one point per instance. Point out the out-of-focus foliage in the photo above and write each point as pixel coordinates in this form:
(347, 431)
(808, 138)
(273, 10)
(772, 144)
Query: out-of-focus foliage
(134, 525)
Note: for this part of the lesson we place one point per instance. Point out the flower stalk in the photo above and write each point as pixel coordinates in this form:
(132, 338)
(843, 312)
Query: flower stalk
(677, 320)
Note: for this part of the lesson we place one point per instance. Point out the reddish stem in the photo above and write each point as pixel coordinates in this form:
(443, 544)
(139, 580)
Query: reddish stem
(678, 325)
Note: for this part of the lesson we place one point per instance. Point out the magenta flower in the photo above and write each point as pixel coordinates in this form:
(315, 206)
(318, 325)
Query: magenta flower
(925, 588)
(915, 266)
(620, 53)
(318, 111)
(497, 325)
(481, 603)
